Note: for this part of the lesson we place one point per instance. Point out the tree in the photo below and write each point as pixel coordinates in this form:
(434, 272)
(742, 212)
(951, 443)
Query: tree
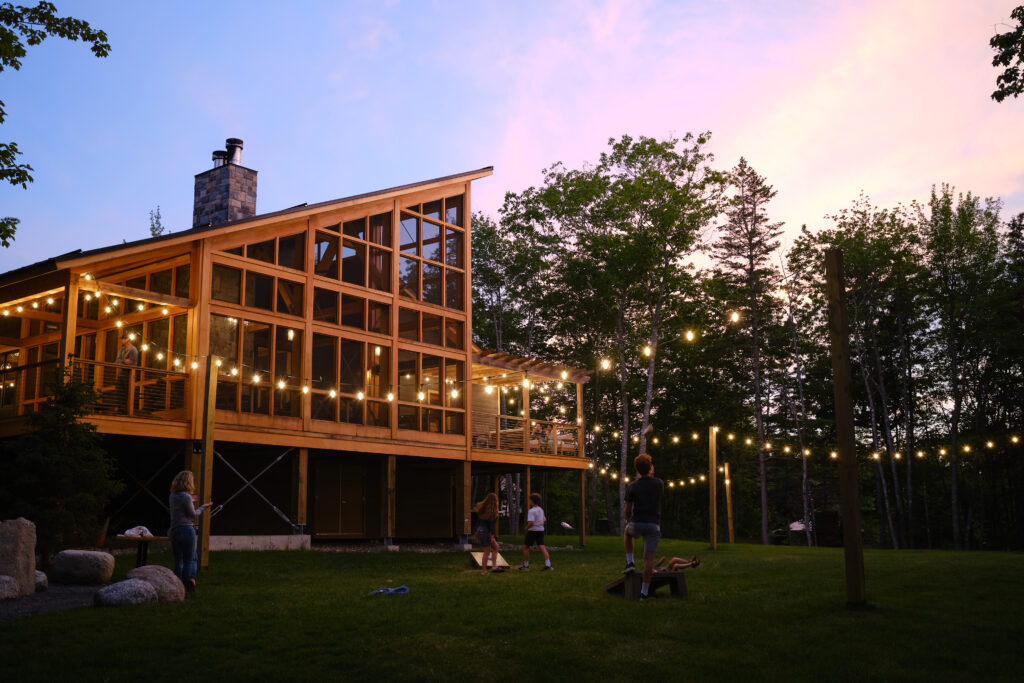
(56, 474)
(21, 27)
(744, 252)
(1009, 49)
(156, 226)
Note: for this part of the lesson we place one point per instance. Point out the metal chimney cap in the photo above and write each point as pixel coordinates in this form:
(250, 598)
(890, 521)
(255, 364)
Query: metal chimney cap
(234, 150)
(233, 142)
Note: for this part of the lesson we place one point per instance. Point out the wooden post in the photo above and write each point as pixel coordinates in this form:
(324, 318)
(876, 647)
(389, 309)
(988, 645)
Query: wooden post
(712, 486)
(463, 500)
(69, 323)
(206, 472)
(301, 479)
(728, 502)
(527, 485)
(390, 480)
(849, 500)
(582, 521)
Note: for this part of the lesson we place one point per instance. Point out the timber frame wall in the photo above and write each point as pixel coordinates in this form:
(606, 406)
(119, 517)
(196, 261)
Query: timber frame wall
(341, 326)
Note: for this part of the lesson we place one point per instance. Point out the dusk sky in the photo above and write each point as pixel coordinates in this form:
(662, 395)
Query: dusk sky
(825, 99)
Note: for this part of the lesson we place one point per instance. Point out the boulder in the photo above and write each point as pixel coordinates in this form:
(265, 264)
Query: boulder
(168, 586)
(9, 588)
(82, 567)
(127, 592)
(42, 582)
(18, 553)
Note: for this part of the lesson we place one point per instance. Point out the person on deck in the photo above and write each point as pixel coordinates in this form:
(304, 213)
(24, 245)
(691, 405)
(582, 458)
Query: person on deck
(183, 532)
(643, 518)
(128, 355)
(487, 517)
(535, 533)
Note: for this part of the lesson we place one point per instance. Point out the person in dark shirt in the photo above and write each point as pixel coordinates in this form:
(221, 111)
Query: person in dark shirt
(643, 518)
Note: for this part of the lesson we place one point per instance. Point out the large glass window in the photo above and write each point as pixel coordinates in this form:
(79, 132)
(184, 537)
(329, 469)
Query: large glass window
(431, 379)
(409, 228)
(259, 291)
(352, 311)
(291, 251)
(289, 297)
(454, 334)
(353, 263)
(224, 342)
(288, 367)
(453, 248)
(256, 350)
(432, 210)
(378, 318)
(261, 251)
(325, 377)
(380, 229)
(408, 377)
(431, 329)
(226, 284)
(409, 278)
(432, 284)
(380, 269)
(408, 324)
(377, 372)
(453, 210)
(325, 255)
(431, 241)
(356, 228)
(181, 277)
(351, 365)
(158, 335)
(325, 305)
(160, 282)
(455, 296)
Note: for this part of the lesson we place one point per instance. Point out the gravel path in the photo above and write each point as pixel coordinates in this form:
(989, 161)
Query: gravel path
(57, 597)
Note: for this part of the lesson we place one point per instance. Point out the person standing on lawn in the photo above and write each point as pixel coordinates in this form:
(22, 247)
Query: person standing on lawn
(535, 533)
(183, 531)
(487, 517)
(643, 518)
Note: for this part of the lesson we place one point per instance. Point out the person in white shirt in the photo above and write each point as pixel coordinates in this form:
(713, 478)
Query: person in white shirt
(535, 533)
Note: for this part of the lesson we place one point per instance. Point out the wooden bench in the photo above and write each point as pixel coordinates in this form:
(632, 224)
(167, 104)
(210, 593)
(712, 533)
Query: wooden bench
(628, 585)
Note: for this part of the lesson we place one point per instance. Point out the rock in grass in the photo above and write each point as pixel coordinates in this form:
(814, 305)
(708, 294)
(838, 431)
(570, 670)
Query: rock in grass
(82, 567)
(127, 592)
(9, 587)
(168, 586)
(42, 582)
(18, 552)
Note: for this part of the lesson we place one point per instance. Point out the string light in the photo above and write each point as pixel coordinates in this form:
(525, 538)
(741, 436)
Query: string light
(605, 364)
(647, 351)
(675, 439)
(690, 335)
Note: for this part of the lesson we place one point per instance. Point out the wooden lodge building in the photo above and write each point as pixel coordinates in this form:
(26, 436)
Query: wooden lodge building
(313, 366)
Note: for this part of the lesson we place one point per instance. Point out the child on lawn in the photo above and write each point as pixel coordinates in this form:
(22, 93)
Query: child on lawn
(535, 533)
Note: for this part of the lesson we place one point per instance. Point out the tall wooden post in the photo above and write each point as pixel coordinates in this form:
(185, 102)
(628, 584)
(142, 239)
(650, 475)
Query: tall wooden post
(849, 503)
(69, 322)
(527, 485)
(582, 520)
(300, 478)
(463, 500)
(206, 461)
(390, 481)
(728, 502)
(712, 488)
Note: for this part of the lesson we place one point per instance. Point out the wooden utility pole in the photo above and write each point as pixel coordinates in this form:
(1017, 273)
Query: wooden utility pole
(849, 497)
(728, 501)
(712, 489)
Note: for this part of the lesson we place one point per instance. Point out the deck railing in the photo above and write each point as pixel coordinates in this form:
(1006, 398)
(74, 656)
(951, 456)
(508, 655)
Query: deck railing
(510, 433)
(128, 391)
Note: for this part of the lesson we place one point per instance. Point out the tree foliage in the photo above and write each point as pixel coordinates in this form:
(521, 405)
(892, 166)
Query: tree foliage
(1009, 48)
(20, 28)
(57, 474)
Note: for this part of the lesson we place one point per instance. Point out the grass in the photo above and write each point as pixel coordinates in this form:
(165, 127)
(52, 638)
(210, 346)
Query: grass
(753, 613)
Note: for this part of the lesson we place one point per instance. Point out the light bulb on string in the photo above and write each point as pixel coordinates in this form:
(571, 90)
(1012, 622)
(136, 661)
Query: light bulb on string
(280, 384)
(332, 393)
(605, 364)
(690, 335)
(390, 397)
(675, 439)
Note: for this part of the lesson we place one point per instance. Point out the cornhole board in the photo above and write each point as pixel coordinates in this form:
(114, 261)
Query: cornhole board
(628, 585)
(500, 566)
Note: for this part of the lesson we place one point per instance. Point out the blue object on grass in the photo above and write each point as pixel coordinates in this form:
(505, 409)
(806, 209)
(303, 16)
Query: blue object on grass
(397, 590)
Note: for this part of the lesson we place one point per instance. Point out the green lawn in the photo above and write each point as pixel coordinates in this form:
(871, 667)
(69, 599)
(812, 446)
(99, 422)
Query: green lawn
(753, 613)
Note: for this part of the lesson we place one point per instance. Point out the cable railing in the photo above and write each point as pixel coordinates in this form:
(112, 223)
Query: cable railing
(510, 433)
(127, 391)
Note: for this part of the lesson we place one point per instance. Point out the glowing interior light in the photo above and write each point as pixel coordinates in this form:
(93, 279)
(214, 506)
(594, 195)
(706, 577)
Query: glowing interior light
(727, 482)
(280, 384)
(195, 365)
(50, 301)
(391, 397)
(141, 307)
(305, 388)
(721, 469)
(88, 277)
(160, 355)
(422, 396)
(164, 311)
(88, 297)
(291, 335)
(107, 309)
(145, 347)
(218, 362)
(602, 470)
(455, 393)
(35, 304)
(256, 378)
(113, 302)
(488, 389)
(234, 371)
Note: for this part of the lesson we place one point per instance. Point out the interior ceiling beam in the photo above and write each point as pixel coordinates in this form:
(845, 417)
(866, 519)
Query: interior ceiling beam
(135, 293)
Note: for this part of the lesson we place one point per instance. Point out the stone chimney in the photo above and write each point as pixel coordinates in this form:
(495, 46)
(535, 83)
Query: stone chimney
(227, 192)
